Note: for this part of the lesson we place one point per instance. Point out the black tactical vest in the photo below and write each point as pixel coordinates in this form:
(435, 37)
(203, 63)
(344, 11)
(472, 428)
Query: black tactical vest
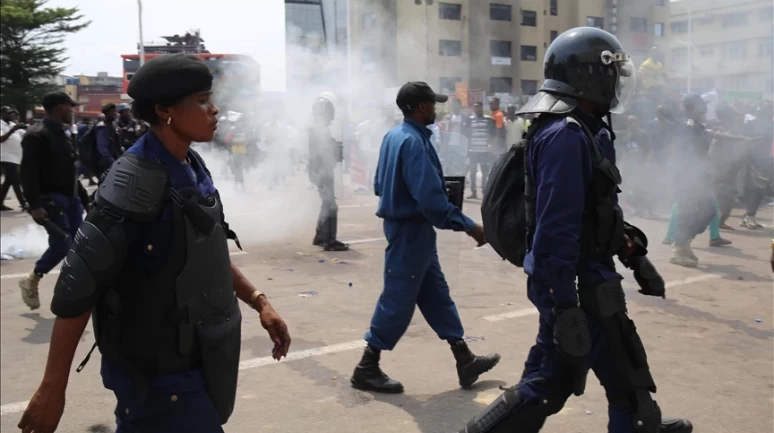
(183, 316)
(602, 233)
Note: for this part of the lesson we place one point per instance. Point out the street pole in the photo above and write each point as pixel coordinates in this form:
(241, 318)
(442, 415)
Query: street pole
(142, 44)
(690, 44)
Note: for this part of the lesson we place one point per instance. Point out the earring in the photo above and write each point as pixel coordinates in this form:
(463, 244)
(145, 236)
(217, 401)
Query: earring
(169, 120)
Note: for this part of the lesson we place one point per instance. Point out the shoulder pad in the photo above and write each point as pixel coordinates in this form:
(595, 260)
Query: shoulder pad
(134, 187)
(573, 121)
(544, 102)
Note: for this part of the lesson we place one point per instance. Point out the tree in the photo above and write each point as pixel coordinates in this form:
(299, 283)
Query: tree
(31, 51)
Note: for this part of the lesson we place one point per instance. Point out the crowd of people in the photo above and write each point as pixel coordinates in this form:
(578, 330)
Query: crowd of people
(150, 263)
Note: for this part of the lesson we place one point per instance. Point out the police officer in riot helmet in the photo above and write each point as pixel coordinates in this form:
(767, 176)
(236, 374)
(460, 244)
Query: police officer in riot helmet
(151, 267)
(324, 153)
(575, 230)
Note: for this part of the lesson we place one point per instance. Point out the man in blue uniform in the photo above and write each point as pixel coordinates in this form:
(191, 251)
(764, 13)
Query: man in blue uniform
(106, 137)
(575, 229)
(152, 263)
(412, 201)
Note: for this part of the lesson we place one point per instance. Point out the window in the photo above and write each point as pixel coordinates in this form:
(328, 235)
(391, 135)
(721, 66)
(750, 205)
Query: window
(368, 55)
(658, 30)
(765, 46)
(597, 22)
(529, 53)
(498, 12)
(734, 20)
(554, 7)
(449, 48)
(500, 48)
(554, 34)
(369, 21)
(529, 18)
(707, 51)
(705, 21)
(733, 51)
(529, 87)
(501, 85)
(767, 14)
(449, 11)
(129, 76)
(679, 27)
(448, 85)
(639, 25)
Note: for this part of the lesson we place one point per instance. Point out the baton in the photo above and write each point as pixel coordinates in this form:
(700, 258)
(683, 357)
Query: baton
(52, 227)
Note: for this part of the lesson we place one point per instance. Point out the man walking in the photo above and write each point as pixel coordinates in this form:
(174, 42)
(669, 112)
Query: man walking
(412, 201)
(56, 198)
(11, 134)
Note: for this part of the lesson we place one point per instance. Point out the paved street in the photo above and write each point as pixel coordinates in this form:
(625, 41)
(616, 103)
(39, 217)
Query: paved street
(709, 343)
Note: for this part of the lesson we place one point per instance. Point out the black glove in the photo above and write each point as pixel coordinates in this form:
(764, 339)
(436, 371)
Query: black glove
(647, 276)
(573, 343)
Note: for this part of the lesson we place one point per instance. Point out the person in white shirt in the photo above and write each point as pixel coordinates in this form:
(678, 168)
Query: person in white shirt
(11, 134)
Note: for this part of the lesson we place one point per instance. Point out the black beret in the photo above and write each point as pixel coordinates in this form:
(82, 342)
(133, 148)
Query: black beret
(170, 77)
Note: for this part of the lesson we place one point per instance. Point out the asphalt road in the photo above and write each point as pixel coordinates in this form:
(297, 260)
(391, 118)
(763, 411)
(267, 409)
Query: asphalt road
(709, 343)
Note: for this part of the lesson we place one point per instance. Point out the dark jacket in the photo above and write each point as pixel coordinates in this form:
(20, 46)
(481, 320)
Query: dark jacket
(48, 164)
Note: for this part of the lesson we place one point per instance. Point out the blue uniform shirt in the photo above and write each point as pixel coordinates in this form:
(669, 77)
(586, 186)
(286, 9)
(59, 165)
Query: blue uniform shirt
(187, 174)
(559, 163)
(409, 180)
(102, 136)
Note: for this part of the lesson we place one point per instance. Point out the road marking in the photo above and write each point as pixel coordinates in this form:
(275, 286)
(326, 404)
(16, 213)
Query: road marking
(56, 271)
(302, 354)
(511, 315)
(364, 241)
(10, 408)
(691, 280)
(533, 311)
(20, 406)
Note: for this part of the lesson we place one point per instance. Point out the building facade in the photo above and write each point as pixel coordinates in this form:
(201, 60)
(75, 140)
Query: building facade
(724, 45)
(497, 47)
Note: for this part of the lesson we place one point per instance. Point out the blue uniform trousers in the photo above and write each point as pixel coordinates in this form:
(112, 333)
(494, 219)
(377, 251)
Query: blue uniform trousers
(67, 213)
(544, 362)
(412, 276)
(176, 404)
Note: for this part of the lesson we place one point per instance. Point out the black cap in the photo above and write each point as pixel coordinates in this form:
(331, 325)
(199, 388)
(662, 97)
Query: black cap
(108, 107)
(170, 77)
(52, 99)
(414, 93)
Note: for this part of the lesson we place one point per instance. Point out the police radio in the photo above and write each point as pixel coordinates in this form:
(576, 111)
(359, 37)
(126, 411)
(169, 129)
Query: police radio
(455, 190)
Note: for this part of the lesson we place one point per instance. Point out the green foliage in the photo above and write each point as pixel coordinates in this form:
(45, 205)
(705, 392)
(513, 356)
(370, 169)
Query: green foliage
(31, 51)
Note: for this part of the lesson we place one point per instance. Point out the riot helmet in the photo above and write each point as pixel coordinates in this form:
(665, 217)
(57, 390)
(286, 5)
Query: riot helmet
(323, 109)
(587, 63)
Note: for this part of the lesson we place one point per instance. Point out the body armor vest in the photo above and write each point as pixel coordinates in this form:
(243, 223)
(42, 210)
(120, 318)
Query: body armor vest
(183, 316)
(602, 233)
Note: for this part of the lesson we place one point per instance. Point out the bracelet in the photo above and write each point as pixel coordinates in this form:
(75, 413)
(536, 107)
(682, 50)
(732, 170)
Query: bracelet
(254, 296)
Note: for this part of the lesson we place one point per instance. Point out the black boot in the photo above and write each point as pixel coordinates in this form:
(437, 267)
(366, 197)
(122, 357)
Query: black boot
(335, 245)
(675, 425)
(318, 241)
(470, 366)
(369, 377)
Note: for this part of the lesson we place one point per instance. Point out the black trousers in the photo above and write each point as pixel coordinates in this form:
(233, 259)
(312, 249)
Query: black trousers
(327, 221)
(12, 179)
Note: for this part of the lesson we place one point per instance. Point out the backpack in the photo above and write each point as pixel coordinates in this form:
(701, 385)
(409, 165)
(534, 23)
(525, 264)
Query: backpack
(87, 150)
(504, 205)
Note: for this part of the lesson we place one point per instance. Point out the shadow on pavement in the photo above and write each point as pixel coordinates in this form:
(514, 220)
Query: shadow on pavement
(441, 413)
(40, 333)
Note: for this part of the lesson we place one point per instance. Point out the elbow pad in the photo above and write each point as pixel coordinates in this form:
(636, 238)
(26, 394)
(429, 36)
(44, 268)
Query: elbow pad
(94, 259)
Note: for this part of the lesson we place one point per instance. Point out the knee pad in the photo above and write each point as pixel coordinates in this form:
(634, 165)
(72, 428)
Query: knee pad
(509, 413)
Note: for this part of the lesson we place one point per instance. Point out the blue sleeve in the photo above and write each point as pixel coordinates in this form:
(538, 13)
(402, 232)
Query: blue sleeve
(562, 166)
(103, 143)
(426, 187)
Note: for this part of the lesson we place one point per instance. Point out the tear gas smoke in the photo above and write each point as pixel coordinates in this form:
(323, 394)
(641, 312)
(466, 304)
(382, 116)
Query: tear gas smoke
(25, 241)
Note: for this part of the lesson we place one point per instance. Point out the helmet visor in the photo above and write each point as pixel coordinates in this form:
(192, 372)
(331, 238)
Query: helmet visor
(624, 88)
